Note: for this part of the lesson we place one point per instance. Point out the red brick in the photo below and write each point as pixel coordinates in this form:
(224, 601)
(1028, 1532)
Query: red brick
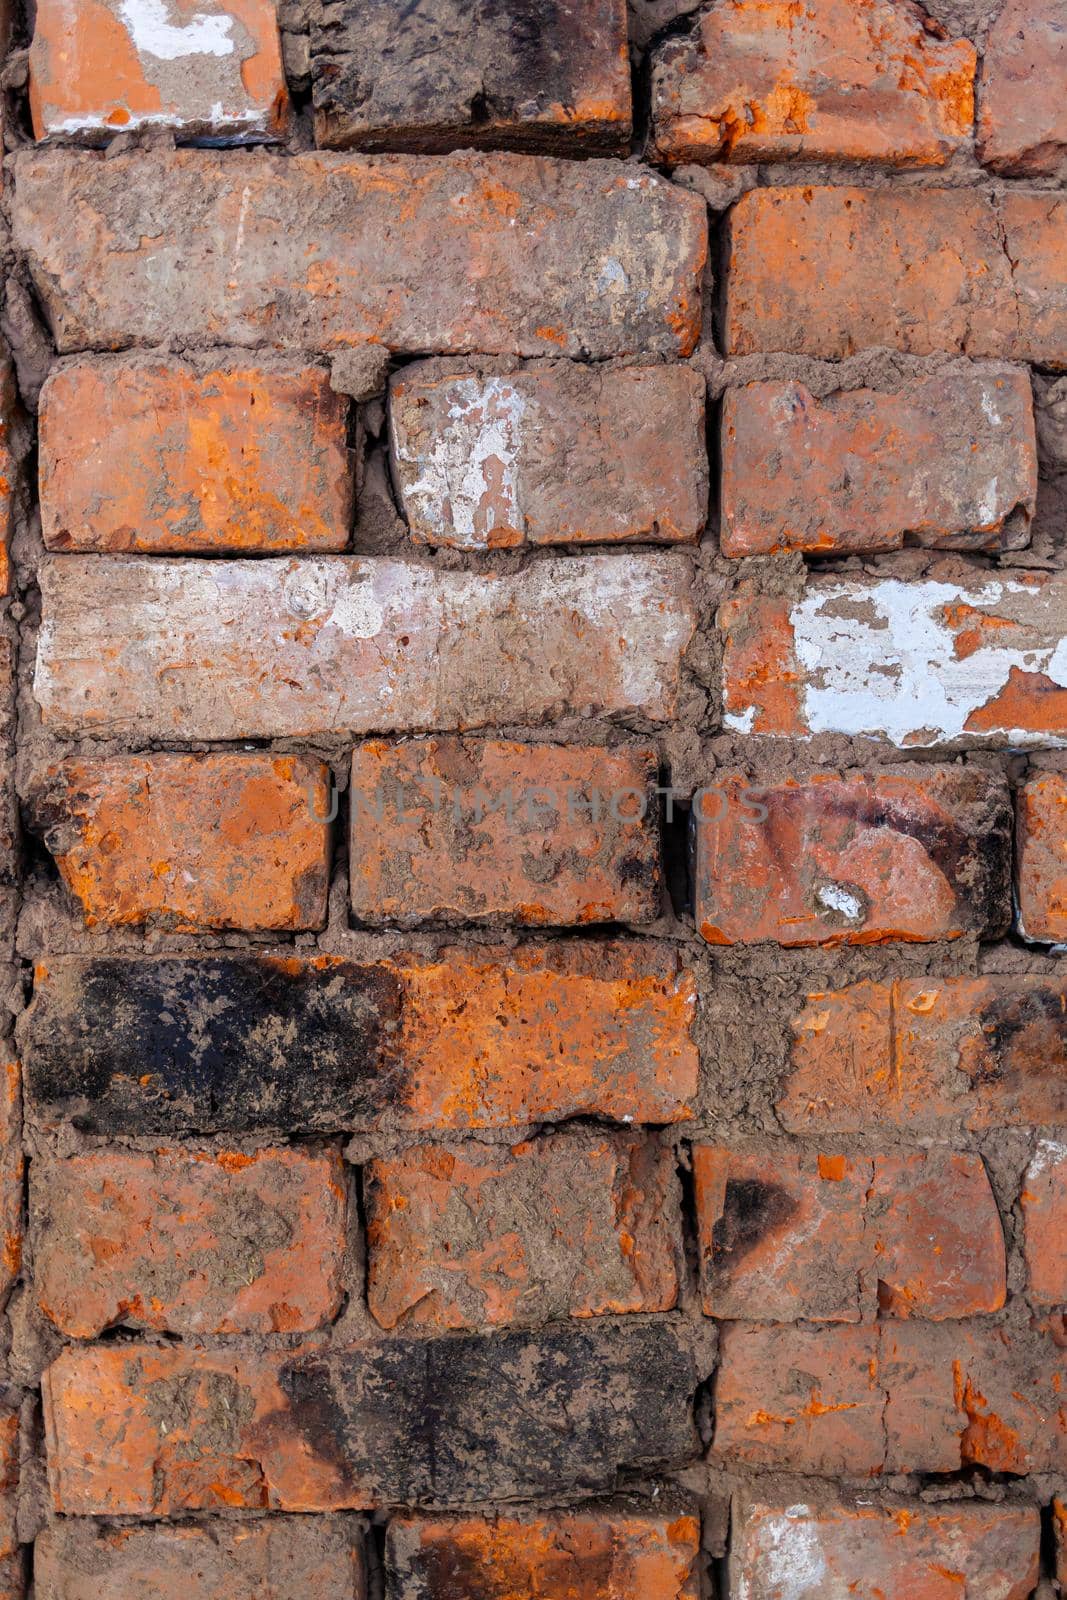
(271, 1558)
(1041, 854)
(12, 1173)
(899, 1550)
(484, 1235)
(829, 271)
(98, 68)
(446, 76)
(8, 469)
(1022, 120)
(832, 80)
(800, 1399)
(781, 1233)
(191, 841)
(155, 455)
(919, 664)
(925, 1053)
(558, 1555)
(902, 853)
(936, 1236)
(189, 1242)
(1059, 1522)
(174, 649)
(1044, 1207)
(496, 253)
(12, 1565)
(555, 454)
(475, 830)
(950, 461)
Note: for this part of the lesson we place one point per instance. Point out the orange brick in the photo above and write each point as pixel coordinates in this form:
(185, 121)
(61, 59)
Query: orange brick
(1041, 854)
(1022, 120)
(484, 1235)
(928, 1052)
(935, 1235)
(897, 854)
(781, 1233)
(448, 75)
(829, 271)
(191, 841)
(897, 1550)
(474, 830)
(154, 455)
(189, 1242)
(98, 68)
(8, 469)
(12, 1565)
(496, 253)
(12, 1172)
(1044, 1208)
(562, 453)
(560, 1555)
(270, 1558)
(1059, 1525)
(921, 664)
(950, 461)
(832, 80)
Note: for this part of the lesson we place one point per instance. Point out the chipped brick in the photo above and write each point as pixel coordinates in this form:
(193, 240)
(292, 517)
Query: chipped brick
(1022, 120)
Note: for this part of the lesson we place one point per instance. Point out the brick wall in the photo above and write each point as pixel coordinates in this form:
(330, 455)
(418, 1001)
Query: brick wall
(533, 823)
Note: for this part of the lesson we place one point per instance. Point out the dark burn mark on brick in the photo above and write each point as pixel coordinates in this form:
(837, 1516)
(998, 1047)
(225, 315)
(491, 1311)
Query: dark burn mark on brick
(1021, 1034)
(751, 1209)
(444, 1570)
(211, 1044)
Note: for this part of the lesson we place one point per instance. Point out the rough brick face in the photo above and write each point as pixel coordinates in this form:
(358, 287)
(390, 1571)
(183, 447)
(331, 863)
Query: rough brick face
(555, 454)
(950, 462)
(451, 830)
(896, 854)
(12, 1565)
(8, 469)
(491, 253)
(214, 841)
(484, 1235)
(142, 454)
(902, 1549)
(274, 1558)
(828, 271)
(436, 77)
(1022, 122)
(1041, 849)
(98, 67)
(1044, 1208)
(833, 80)
(918, 664)
(189, 1242)
(552, 1556)
(358, 645)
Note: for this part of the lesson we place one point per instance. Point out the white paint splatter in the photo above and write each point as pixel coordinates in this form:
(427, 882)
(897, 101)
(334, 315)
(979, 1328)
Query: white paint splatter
(154, 34)
(836, 898)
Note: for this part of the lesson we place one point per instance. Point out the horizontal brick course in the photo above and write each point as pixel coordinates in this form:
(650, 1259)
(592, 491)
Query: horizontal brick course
(358, 645)
(494, 253)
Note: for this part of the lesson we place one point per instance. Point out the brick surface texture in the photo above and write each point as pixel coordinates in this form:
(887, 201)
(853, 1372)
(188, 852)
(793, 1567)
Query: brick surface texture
(533, 800)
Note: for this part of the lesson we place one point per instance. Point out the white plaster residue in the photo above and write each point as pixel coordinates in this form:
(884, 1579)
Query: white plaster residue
(788, 1561)
(469, 479)
(835, 898)
(356, 611)
(881, 659)
(1049, 1153)
(988, 512)
(154, 33)
(990, 408)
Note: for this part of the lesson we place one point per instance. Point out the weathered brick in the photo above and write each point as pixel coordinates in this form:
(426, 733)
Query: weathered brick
(8, 468)
(558, 1555)
(144, 1431)
(899, 853)
(1044, 1207)
(498, 253)
(98, 67)
(828, 271)
(189, 1242)
(1022, 116)
(555, 454)
(174, 649)
(950, 461)
(899, 1550)
(1041, 856)
(269, 1558)
(12, 1564)
(833, 80)
(1059, 1528)
(191, 841)
(483, 1235)
(928, 1052)
(477, 1038)
(476, 830)
(10, 833)
(146, 454)
(920, 664)
(446, 76)
(12, 1173)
